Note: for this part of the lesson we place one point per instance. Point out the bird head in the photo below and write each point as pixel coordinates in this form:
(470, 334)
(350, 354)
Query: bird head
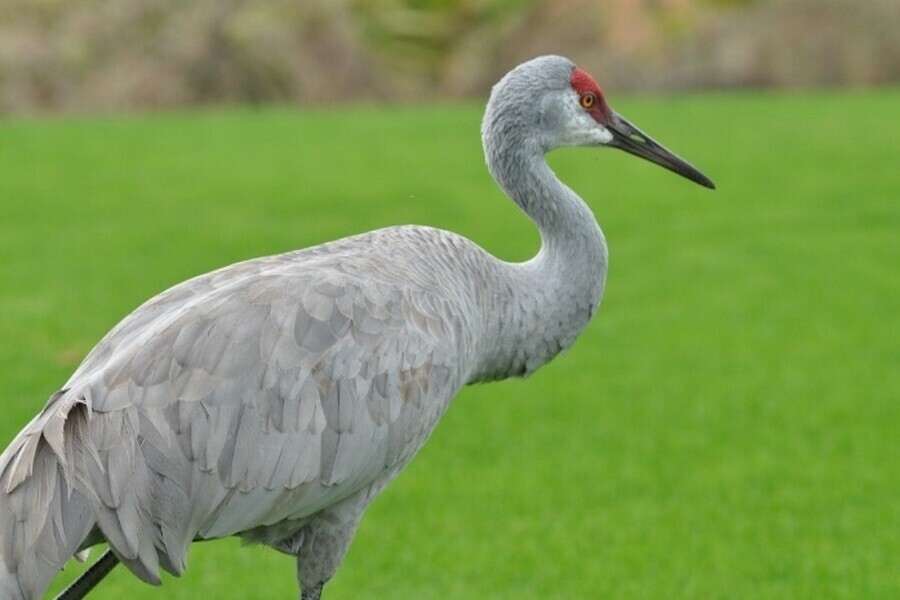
(560, 104)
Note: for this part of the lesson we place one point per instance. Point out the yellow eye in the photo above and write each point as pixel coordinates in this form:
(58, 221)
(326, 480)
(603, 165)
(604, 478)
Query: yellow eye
(588, 100)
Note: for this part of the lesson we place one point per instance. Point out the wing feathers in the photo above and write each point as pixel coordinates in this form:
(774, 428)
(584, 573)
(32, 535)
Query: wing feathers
(242, 405)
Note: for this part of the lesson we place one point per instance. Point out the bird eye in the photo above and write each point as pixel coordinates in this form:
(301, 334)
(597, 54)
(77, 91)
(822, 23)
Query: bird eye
(588, 100)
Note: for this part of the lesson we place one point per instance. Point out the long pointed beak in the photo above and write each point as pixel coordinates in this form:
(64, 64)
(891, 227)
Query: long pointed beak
(629, 138)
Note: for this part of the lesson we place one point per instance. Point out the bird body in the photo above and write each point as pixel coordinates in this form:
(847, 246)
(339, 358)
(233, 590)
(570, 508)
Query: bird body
(275, 398)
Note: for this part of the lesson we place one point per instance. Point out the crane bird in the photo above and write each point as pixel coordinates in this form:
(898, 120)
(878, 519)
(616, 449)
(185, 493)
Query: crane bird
(275, 398)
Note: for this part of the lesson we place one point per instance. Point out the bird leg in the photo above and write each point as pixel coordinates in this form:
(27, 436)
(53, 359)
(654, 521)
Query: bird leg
(324, 541)
(91, 577)
(312, 592)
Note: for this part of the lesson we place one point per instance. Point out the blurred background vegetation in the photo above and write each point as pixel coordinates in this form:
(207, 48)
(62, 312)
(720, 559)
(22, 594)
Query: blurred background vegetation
(98, 55)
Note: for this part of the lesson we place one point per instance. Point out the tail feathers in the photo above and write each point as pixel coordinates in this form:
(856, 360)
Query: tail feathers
(41, 526)
(17, 462)
(73, 469)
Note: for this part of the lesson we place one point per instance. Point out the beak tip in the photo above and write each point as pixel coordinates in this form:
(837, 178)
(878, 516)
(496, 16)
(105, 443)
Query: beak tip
(698, 178)
(629, 138)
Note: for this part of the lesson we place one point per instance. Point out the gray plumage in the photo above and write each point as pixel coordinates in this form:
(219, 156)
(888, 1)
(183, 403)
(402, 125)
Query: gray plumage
(275, 398)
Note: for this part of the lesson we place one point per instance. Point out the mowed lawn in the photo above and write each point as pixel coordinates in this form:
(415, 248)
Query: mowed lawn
(727, 427)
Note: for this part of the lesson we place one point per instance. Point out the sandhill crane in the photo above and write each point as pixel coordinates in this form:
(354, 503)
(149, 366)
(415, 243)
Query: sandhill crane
(274, 399)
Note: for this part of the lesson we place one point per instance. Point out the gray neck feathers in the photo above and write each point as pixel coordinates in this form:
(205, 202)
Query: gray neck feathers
(539, 307)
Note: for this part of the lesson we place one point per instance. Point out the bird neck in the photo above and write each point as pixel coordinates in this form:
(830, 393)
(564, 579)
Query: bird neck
(540, 306)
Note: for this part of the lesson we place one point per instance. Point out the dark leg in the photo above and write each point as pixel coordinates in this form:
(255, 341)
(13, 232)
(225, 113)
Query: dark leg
(90, 578)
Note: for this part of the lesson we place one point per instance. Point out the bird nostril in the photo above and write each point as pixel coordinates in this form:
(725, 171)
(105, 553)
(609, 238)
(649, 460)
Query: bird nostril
(635, 137)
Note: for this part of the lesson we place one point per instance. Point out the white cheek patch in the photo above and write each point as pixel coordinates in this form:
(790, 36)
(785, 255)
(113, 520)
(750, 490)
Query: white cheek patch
(603, 135)
(579, 128)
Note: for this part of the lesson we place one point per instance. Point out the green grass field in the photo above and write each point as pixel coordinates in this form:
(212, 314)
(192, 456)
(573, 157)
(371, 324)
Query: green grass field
(727, 427)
